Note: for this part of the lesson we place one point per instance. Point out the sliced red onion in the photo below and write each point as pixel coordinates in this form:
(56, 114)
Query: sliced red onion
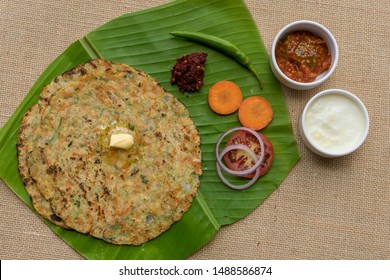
(258, 161)
(239, 187)
(222, 177)
(236, 147)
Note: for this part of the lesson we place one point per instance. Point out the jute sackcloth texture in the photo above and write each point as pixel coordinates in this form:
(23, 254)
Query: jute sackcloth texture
(325, 208)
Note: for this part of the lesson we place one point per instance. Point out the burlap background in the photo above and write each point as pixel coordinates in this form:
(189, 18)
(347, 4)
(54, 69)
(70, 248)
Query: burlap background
(325, 209)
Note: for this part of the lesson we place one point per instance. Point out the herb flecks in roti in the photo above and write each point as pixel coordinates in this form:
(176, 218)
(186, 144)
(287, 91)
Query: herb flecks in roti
(74, 177)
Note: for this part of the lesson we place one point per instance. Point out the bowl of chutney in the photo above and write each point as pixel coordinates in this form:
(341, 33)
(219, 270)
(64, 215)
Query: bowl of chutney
(304, 54)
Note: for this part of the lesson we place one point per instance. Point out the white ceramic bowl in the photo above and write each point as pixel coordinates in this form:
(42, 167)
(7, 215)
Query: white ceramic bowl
(317, 29)
(337, 117)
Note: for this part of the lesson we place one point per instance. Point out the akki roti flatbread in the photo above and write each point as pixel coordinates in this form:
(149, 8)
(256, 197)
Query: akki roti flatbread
(78, 181)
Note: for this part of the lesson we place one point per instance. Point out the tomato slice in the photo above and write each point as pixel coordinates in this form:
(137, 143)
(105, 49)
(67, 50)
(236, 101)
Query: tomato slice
(240, 160)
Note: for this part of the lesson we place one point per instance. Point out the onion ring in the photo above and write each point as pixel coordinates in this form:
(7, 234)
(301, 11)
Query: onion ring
(236, 147)
(249, 170)
(255, 167)
(222, 177)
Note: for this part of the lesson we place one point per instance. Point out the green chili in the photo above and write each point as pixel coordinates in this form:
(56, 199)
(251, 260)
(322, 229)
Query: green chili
(221, 45)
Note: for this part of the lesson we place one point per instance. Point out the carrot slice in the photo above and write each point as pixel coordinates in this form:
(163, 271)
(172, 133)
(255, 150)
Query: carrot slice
(224, 97)
(255, 112)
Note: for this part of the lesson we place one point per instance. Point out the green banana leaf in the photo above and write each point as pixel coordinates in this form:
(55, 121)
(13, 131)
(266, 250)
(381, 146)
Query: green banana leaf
(142, 40)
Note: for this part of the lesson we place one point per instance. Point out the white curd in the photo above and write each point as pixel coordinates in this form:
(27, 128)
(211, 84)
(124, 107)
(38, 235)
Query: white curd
(334, 123)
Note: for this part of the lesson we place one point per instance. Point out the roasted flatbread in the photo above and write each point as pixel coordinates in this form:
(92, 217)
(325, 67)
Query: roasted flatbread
(74, 177)
(25, 146)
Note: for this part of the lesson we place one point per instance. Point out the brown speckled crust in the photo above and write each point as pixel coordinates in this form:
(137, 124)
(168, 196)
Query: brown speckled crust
(188, 72)
(122, 196)
(24, 148)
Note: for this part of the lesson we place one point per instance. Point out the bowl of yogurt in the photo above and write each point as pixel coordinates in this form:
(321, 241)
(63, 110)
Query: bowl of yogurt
(334, 123)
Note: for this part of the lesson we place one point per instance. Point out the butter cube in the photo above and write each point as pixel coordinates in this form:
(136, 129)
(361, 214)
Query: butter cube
(122, 141)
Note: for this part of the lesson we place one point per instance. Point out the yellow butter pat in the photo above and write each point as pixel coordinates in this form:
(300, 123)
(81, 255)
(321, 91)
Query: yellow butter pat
(121, 141)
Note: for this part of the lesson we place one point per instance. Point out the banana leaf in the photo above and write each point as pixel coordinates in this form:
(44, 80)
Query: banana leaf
(142, 40)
